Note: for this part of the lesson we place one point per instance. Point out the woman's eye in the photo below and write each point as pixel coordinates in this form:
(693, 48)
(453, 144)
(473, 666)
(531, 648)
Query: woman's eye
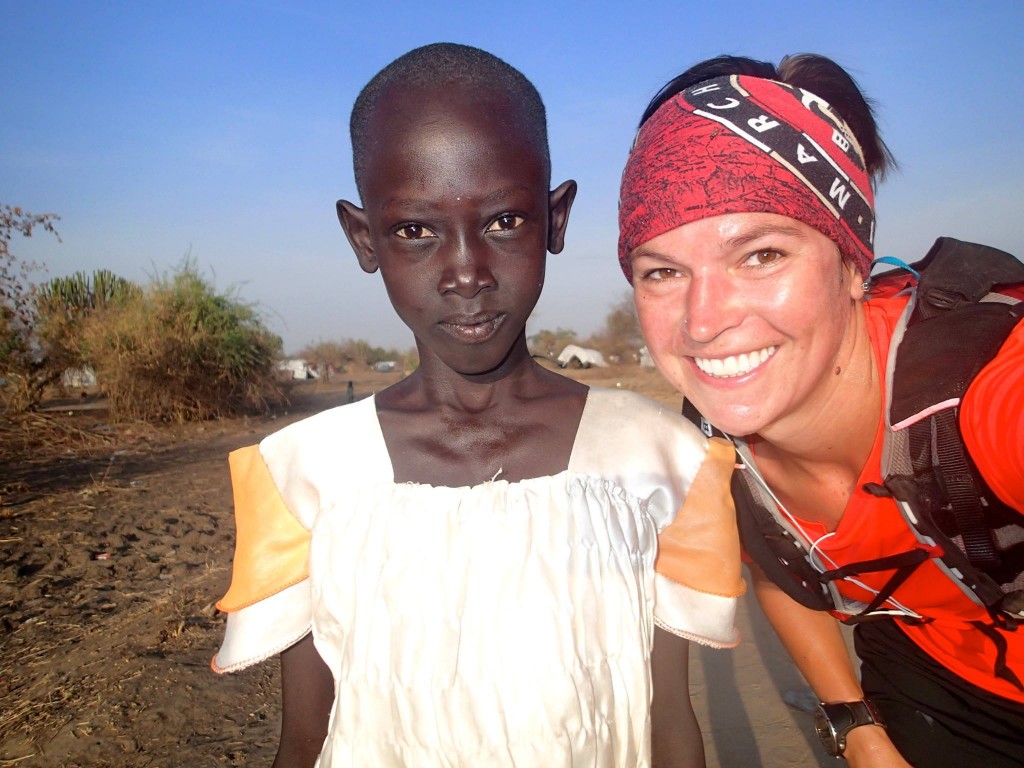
(662, 273)
(505, 222)
(763, 258)
(413, 232)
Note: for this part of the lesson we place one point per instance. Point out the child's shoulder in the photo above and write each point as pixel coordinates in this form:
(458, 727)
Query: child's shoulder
(628, 411)
(335, 442)
(635, 424)
(643, 446)
(327, 428)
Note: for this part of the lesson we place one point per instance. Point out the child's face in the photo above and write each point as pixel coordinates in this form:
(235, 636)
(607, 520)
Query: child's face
(458, 219)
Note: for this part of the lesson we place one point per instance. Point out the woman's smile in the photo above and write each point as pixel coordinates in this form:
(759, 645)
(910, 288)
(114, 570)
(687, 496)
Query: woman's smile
(734, 365)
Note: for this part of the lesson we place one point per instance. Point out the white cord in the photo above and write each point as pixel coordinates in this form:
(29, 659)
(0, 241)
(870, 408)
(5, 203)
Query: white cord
(818, 558)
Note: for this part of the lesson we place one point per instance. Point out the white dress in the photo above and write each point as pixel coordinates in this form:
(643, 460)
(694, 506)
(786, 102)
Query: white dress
(505, 624)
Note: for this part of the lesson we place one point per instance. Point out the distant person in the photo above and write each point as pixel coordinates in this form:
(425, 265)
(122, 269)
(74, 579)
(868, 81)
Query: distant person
(350, 392)
(503, 568)
(879, 429)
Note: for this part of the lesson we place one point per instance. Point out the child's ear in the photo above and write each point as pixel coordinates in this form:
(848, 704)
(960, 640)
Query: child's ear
(357, 230)
(559, 204)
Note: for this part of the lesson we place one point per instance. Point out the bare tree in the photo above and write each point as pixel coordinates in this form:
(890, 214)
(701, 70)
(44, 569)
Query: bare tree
(20, 355)
(620, 339)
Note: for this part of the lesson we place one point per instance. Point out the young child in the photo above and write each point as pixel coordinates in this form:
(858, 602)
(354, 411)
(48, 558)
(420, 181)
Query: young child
(461, 570)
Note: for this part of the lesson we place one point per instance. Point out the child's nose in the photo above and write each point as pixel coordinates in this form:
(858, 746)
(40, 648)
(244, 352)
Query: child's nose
(467, 271)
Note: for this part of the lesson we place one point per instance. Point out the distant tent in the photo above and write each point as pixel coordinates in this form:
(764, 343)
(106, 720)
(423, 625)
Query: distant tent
(384, 366)
(76, 378)
(581, 357)
(299, 369)
(645, 358)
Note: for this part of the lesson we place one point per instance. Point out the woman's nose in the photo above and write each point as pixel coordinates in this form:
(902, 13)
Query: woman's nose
(711, 307)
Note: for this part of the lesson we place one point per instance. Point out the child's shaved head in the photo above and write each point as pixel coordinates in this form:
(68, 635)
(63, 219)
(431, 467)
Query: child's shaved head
(457, 66)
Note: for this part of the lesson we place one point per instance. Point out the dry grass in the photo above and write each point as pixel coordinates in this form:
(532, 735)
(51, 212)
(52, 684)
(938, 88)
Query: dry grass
(45, 436)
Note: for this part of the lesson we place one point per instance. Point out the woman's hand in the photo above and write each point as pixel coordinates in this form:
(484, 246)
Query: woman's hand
(816, 645)
(869, 747)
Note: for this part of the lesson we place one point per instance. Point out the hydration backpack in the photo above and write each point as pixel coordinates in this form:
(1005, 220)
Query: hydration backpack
(964, 301)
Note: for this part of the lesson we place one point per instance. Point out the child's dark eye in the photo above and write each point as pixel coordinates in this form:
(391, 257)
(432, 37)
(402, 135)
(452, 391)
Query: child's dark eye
(413, 232)
(506, 222)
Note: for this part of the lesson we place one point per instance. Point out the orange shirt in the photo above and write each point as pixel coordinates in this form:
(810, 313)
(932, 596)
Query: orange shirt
(992, 422)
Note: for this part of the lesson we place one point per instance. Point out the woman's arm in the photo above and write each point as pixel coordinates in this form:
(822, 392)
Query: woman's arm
(816, 646)
(307, 695)
(675, 735)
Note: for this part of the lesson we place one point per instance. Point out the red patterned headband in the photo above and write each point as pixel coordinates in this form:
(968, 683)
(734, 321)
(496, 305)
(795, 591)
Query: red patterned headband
(744, 144)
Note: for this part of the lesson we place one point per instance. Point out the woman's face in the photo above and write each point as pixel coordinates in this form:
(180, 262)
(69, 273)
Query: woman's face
(749, 315)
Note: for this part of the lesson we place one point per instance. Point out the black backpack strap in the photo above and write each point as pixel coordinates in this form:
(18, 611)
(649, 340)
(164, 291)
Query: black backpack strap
(776, 551)
(693, 415)
(950, 336)
(905, 564)
(958, 482)
(1002, 669)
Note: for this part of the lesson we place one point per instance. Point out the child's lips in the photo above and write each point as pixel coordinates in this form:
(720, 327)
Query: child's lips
(473, 328)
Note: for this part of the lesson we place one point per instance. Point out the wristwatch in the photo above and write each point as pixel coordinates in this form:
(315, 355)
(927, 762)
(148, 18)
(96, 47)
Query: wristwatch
(833, 721)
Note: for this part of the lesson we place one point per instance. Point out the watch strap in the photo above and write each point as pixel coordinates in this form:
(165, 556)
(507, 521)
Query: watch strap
(843, 717)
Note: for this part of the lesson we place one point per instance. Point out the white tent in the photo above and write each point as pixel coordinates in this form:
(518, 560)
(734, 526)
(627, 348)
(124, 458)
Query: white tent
(584, 357)
(299, 369)
(75, 378)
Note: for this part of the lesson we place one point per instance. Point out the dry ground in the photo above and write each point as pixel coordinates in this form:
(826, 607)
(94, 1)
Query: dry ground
(115, 543)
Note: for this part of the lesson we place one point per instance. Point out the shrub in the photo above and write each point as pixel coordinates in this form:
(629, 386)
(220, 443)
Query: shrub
(180, 351)
(62, 305)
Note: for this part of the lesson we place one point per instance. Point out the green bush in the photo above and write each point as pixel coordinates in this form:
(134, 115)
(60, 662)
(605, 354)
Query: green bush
(179, 351)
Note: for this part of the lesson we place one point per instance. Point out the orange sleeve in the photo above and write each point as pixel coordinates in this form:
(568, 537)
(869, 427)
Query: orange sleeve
(700, 549)
(271, 545)
(992, 421)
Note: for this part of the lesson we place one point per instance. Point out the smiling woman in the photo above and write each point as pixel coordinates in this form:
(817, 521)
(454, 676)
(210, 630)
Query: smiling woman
(746, 229)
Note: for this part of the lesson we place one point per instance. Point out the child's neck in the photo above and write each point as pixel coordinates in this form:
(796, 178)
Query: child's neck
(462, 431)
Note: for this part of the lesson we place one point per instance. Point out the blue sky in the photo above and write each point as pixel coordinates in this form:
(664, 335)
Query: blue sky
(220, 129)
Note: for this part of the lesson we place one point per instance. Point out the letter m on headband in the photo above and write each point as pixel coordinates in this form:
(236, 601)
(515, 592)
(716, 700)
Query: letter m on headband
(744, 144)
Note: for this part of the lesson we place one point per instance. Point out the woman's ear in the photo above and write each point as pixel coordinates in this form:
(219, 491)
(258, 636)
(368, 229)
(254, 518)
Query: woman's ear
(857, 281)
(357, 230)
(559, 204)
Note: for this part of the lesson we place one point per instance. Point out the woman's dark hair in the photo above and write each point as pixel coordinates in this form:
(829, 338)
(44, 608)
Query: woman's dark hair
(817, 74)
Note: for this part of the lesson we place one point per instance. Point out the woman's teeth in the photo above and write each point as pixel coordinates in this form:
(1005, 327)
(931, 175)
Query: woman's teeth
(734, 365)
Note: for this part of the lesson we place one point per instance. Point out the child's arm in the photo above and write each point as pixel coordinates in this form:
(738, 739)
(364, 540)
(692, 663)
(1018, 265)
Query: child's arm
(675, 736)
(307, 695)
